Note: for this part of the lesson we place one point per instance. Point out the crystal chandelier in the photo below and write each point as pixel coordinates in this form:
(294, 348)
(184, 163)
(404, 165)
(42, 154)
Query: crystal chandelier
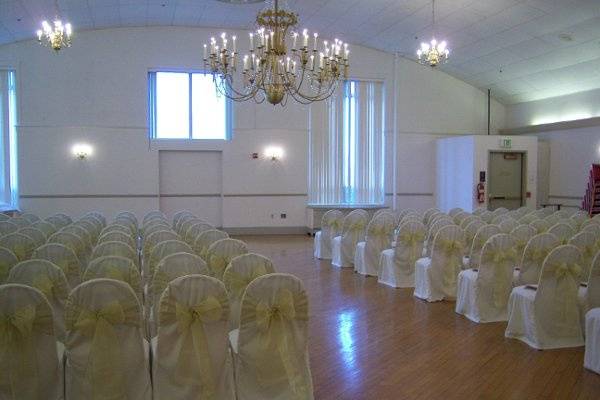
(434, 52)
(309, 72)
(57, 35)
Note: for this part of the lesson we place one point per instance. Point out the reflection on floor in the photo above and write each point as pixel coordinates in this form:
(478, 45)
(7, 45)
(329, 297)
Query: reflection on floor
(369, 341)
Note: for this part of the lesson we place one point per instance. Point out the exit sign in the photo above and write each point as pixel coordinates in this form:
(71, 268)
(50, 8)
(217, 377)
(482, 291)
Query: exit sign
(506, 143)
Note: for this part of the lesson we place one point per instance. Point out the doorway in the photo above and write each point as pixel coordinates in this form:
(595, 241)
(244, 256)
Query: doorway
(505, 171)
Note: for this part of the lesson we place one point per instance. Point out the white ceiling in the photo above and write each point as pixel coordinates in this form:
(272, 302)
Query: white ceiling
(513, 47)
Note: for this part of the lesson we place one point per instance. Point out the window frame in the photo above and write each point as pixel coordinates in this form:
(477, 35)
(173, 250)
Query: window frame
(152, 112)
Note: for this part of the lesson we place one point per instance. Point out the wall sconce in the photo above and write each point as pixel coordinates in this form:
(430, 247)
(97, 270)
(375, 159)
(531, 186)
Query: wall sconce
(82, 150)
(274, 153)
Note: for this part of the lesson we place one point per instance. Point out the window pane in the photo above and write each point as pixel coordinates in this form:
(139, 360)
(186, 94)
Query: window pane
(172, 105)
(209, 114)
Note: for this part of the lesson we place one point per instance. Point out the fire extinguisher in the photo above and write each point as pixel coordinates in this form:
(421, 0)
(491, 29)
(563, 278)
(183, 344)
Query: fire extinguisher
(480, 193)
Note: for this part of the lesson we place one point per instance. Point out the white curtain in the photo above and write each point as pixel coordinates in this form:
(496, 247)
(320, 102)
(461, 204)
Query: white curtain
(346, 146)
(8, 145)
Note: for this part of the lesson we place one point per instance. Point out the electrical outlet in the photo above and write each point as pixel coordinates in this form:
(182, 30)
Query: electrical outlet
(283, 216)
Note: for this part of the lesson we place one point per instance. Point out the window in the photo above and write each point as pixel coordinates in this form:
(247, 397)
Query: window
(9, 195)
(185, 105)
(347, 147)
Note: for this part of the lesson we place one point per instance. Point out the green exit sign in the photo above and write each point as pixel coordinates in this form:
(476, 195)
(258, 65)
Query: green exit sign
(506, 143)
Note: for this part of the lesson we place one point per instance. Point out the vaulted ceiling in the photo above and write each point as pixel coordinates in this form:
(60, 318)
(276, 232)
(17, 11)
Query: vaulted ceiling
(521, 49)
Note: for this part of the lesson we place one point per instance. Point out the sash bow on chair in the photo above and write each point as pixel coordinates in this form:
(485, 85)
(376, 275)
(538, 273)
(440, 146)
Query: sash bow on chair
(217, 264)
(500, 287)
(103, 366)
(17, 350)
(567, 274)
(238, 282)
(195, 367)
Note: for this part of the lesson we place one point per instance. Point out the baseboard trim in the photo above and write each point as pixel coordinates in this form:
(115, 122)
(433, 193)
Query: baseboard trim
(268, 230)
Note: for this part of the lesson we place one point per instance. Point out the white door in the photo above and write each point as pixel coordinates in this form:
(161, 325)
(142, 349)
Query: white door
(505, 185)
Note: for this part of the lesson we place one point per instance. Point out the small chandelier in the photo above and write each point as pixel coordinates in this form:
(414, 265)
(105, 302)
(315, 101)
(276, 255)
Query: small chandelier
(307, 73)
(57, 35)
(434, 52)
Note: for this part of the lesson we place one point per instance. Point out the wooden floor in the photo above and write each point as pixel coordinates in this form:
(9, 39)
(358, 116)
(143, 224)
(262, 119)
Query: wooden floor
(369, 341)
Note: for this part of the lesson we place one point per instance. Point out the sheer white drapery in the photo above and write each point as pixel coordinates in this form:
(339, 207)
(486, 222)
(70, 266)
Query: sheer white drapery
(346, 146)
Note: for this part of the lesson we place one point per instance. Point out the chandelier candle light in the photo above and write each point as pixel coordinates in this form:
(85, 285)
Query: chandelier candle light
(434, 52)
(309, 72)
(57, 35)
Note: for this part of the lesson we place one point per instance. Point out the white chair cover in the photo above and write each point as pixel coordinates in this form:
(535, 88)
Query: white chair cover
(540, 225)
(20, 222)
(521, 236)
(483, 294)
(591, 294)
(271, 346)
(593, 228)
(183, 220)
(536, 250)
(45, 227)
(380, 232)
(163, 249)
(153, 214)
(92, 229)
(192, 359)
(29, 353)
(428, 214)
(126, 230)
(31, 218)
(548, 317)
(586, 243)
(59, 220)
(106, 355)
(220, 254)
(82, 233)
(155, 226)
(482, 235)
(193, 231)
(21, 245)
(563, 232)
(120, 249)
(486, 216)
(129, 224)
(353, 231)
(591, 359)
(186, 225)
(156, 237)
(51, 281)
(466, 221)
(528, 218)
(4, 217)
(553, 219)
(63, 257)
(180, 214)
(433, 230)
(470, 232)
(34, 234)
(500, 218)
(573, 224)
(455, 211)
(397, 265)
(237, 276)
(435, 277)
(118, 268)
(331, 226)
(508, 225)
(127, 215)
(205, 239)
(73, 242)
(117, 236)
(8, 259)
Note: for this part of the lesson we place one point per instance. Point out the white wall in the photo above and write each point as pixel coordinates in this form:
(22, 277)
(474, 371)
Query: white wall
(96, 92)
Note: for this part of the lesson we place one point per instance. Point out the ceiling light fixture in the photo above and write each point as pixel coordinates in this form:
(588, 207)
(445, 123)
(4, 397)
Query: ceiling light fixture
(57, 35)
(434, 52)
(308, 72)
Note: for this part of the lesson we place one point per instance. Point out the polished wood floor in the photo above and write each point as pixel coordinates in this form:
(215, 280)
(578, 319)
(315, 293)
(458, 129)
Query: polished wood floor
(369, 341)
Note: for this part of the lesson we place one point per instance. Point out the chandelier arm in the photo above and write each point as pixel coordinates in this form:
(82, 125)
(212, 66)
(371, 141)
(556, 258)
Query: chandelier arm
(227, 89)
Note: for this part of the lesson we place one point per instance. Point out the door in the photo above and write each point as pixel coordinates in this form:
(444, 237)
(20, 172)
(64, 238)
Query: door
(505, 180)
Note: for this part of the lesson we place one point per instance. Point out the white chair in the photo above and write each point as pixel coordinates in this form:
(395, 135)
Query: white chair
(331, 226)
(562, 231)
(59, 220)
(482, 235)
(119, 249)
(591, 358)
(237, 276)
(156, 237)
(483, 294)
(183, 220)
(107, 357)
(8, 259)
(540, 225)
(116, 267)
(63, 257)
(7, 227)
(205, 239)
(271, 347)
(73, 242)
(152, 215)
(433, 230)
(589, 293)
(48, 279)
(435, 277)
(38, 237)
(521, 236)
(191, 350)
(220, 254)
(428, 214)
(118, 236)
(470, 231)
(508, 225)
(466, 221)
(21, 245)
(380, 232)
(163, 249)
(45, 227)
(344, 246)
(397, 265)
(193, 231)
(82, 233)
(180, 214)
(586, 243)
(115, 227)
(127, 215)
(20, 222)
(536, 250)
(29, 353)
(547, 316)
(31, 218)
